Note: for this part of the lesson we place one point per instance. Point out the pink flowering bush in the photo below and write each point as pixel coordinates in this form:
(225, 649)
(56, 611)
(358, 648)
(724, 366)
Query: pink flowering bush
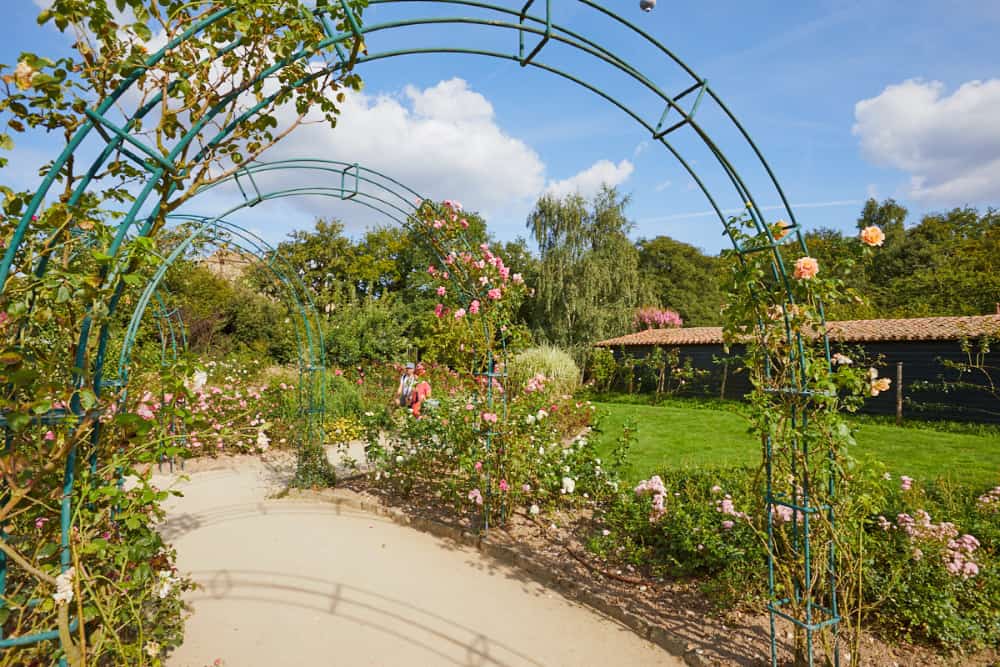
(651, 317)
(931, 570)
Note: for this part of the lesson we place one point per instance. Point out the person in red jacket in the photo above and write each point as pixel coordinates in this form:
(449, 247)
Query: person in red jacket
(420, 394)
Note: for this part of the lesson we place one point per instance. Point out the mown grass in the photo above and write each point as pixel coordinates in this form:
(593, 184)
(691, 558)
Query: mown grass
(675, 435)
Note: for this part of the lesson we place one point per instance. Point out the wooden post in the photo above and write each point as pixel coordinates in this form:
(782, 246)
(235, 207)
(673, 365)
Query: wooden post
(899, 393)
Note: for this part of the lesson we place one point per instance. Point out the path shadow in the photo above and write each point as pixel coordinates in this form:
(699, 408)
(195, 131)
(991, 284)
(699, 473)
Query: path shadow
(345, 601)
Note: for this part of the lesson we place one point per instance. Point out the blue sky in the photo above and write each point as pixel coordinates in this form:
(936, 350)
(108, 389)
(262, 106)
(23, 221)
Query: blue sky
(846, 100)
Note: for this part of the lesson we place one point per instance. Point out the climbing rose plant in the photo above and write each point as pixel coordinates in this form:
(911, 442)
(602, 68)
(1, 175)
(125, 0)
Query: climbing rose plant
(110, 590)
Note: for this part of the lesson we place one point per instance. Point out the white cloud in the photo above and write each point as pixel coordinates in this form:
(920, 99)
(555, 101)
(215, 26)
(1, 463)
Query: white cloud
(660, 187)
(441, 141)
(948, 144)
(589, 181)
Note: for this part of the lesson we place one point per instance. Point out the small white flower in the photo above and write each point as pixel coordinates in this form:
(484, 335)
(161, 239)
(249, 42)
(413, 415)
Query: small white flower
(534, 510)
(542, 414)
(369, 414)
(530, 419)
(399, 459)
(167, 583)
(568, 484)
(262, 440)
(152, 649)
(64, 587)
(605, 532)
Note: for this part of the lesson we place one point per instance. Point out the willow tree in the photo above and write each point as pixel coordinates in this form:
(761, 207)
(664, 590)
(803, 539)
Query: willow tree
(589, 282)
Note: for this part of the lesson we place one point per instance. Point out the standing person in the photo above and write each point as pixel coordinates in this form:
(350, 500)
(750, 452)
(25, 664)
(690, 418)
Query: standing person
(404, 392)
(420, 393)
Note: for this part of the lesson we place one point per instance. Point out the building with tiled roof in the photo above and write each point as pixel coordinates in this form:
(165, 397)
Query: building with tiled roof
(846, 331)
(920, 350)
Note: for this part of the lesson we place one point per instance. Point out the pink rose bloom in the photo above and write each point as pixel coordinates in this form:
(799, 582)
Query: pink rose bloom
(464, 223)
(49, 436)
(438, 224)
(453, 205)
(469, 406)
(439, 309)
(806, 268)
(872, 236)
(489, 417)
(460, 313)
(431, 270)
(494, 294)
(338, 372)
(905, 482)
(441, 290)
(517, 279)
(474, 306)
(504, 486)
(504, 272)
(728, 525)
(476, 497)
(450, 259)
(478, 466)
(526, 488)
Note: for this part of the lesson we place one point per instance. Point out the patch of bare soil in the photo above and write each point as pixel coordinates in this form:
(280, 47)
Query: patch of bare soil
(674, 613)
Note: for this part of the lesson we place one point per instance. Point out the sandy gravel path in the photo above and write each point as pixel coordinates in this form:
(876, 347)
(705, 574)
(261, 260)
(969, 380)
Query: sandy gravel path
(290, 582)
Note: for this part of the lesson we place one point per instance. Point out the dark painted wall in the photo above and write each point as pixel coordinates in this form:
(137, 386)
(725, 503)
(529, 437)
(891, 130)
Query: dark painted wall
(923, 372)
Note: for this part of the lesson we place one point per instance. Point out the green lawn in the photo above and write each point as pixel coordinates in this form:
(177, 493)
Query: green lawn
(671, 436)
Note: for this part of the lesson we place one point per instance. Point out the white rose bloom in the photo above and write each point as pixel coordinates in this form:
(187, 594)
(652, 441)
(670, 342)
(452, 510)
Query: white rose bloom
(542, 414)
(568, 484)
(167, 584)
(530, 419)
(198, 382)
(534, 510)
(152, 649)
(64, 587)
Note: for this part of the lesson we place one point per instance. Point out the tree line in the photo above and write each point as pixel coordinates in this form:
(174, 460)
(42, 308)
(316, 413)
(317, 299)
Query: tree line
(588, 275)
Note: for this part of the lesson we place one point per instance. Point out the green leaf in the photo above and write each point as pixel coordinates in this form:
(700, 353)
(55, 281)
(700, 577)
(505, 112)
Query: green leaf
(6, 143)
(48, 549)
(142, 31)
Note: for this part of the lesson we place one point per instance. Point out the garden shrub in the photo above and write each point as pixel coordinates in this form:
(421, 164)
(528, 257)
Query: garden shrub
(343, 397)
(926, 558)
(558, 367)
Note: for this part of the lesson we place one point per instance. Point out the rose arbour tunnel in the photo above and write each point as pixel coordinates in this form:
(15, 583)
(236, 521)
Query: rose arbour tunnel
(660, 94)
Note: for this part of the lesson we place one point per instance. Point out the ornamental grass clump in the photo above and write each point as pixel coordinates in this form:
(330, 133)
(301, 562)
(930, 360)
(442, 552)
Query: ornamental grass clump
(545, 364)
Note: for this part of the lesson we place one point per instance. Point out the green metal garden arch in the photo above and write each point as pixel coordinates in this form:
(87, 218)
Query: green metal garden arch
(529, 22)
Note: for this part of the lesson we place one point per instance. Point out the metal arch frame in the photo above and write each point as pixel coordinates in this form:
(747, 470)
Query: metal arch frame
(311, 352)
(501, 18)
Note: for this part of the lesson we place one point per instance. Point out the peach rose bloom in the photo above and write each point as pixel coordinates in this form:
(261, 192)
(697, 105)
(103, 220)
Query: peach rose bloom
(780, 230)
(806, 268)
(872, 235)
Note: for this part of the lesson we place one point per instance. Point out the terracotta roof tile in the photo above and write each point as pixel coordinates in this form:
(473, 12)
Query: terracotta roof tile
(847, 331)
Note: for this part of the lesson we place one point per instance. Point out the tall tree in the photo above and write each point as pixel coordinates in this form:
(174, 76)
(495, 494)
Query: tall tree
(683, 278)
(589, 282)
